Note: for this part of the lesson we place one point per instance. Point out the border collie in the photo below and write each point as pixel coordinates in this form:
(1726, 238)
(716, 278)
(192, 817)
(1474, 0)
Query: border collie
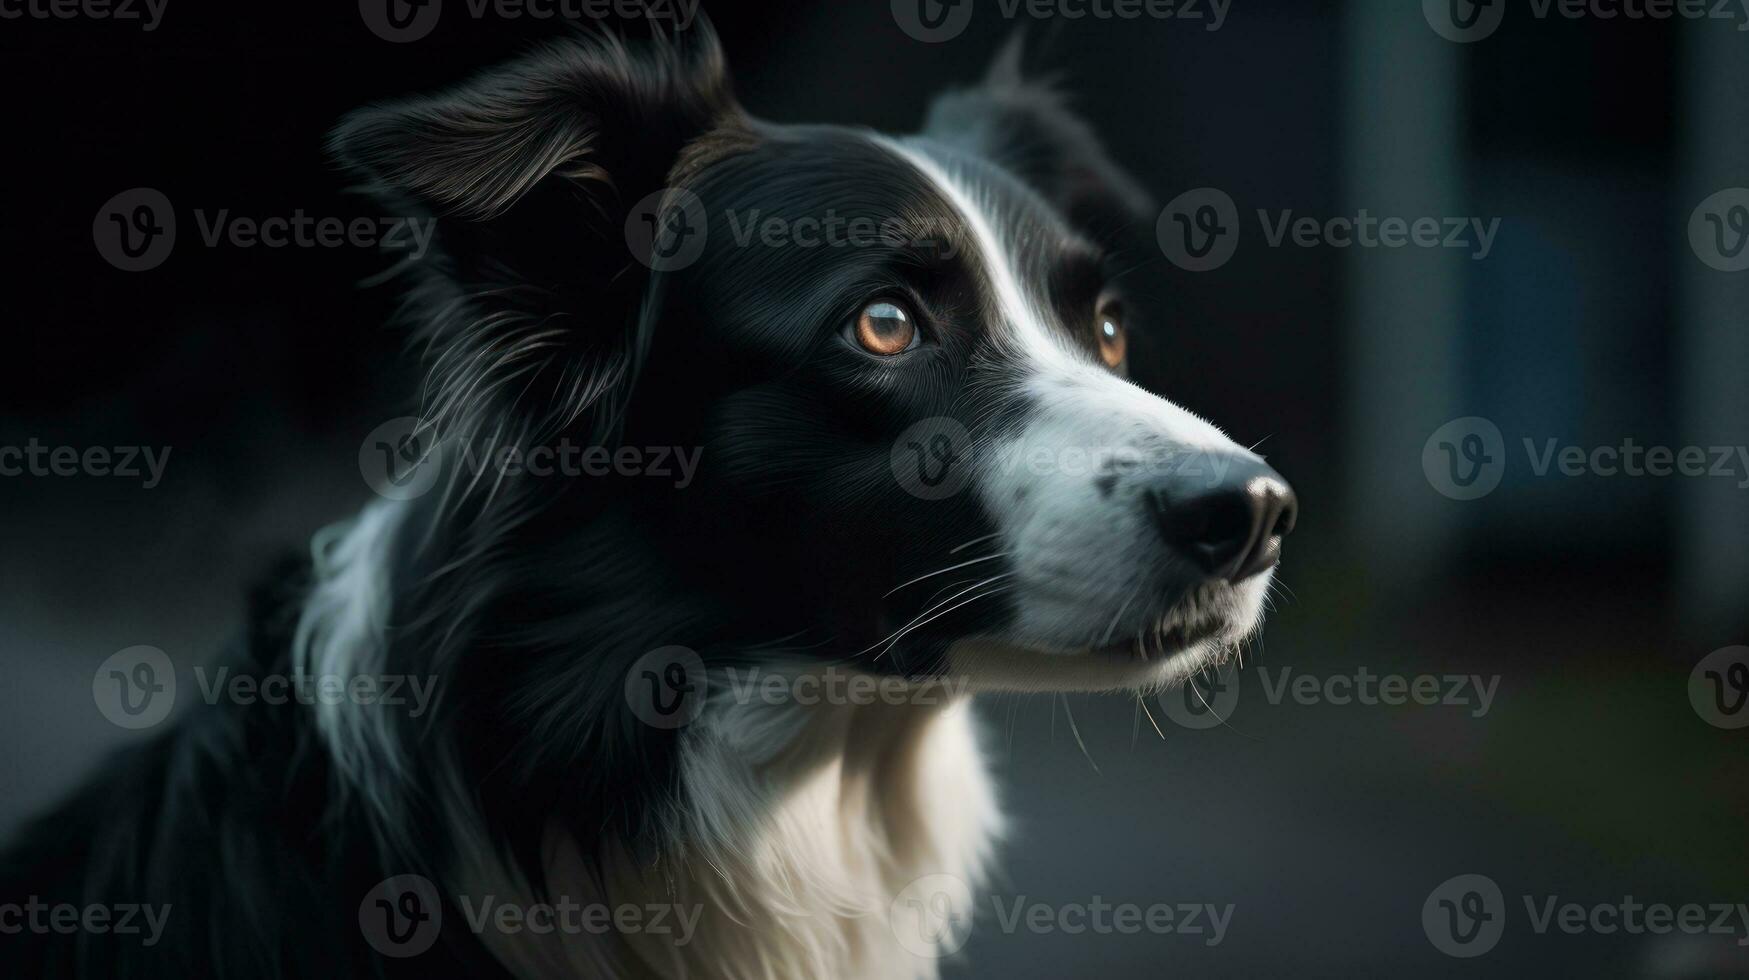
(922, 473)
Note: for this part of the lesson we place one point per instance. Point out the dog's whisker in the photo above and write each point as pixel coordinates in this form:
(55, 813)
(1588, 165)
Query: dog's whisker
(950, 568)
(959, 548)
(1076, 731)
(1144, 703)
(888, 643)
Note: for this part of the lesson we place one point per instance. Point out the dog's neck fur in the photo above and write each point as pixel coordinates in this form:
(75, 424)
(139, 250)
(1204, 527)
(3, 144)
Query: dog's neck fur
(792, 829)
(804, 826)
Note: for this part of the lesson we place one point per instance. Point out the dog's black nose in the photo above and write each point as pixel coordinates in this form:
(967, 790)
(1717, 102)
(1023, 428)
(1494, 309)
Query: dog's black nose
(1228, 516)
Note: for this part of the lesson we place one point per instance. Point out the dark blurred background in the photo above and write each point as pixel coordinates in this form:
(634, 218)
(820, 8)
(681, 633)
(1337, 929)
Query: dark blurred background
(1593, 320)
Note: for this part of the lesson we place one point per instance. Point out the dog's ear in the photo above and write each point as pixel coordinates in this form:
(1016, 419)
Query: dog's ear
(1028, 127)
(529, 301)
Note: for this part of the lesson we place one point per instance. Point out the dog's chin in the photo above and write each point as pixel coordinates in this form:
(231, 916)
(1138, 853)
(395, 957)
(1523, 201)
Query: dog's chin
(1193, 635)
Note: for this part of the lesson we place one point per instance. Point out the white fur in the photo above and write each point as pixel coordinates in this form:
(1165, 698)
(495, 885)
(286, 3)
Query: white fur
(341, 633)
(797, 828)
(1069, 542)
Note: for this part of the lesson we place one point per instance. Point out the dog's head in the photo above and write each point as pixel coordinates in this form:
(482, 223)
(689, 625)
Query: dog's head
(901, 363)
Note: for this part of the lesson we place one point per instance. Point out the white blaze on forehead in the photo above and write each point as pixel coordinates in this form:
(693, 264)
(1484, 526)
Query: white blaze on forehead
(1068, 384)
(1020, 314)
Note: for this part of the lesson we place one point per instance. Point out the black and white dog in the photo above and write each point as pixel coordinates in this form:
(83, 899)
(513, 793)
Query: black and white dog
(920, 461)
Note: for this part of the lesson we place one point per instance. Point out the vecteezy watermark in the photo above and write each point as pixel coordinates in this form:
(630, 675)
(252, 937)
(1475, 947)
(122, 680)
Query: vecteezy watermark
(833, 685)
(136, 687)
(1111, 462)
(833, 230)
(934, 21)
(1474, 692)
(416, 694)
(1467, 21)
(569, 917)
(402, 21)
(1465, 917)
(932, 459)
(37, 460)
(1718, 688)
(402, 459)
(1366, 231)
(1209, 699)
(1465, 459)
(1718, 230)
(1204, 701)
(1199, 231)
(565, 458)
(667, 687)
(934, 916)
(147, 13)
(136, 231)
(666, 230)
(139, 921)
(1464, 21)
(401, 916)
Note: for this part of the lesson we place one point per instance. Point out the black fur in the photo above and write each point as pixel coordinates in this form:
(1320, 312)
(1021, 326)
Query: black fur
(529, 599)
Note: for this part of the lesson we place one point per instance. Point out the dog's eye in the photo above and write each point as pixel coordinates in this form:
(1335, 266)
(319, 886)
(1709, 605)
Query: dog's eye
(884, 328)
(1113, 345)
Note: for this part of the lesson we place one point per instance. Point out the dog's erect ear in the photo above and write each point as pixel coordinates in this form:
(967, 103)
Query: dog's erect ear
(529, 299)
(1027, 127)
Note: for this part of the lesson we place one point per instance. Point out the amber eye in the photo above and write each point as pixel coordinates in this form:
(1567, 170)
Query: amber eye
(1112, 343)
(884, 328)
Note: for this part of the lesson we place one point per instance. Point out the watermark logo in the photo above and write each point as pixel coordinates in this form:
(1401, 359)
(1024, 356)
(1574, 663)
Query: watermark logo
(148, 13)
(1465, 916)
(567, 459)
(666, 229)
(38, 460)
(1204, 701)
(402, 916)
(1464, 21)
(932, 459)
(1719, 688)
(410, 691)
(136, 687)
(932, 916)
(836, 686)
(932, 21)
(1199, 229)
(129, 919)
(1474, 692)
(1719, 230)
(667, 687)
(135, 230)
(833, 230)
(567, 916)
(400, 458)
(1465, 458)
(401, 21)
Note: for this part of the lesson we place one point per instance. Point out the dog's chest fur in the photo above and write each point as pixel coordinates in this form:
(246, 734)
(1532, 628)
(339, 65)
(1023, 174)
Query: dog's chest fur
(801, 828)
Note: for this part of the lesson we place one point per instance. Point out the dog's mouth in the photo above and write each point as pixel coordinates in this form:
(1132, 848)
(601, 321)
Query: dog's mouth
(1204, 629)
(1169, 640)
